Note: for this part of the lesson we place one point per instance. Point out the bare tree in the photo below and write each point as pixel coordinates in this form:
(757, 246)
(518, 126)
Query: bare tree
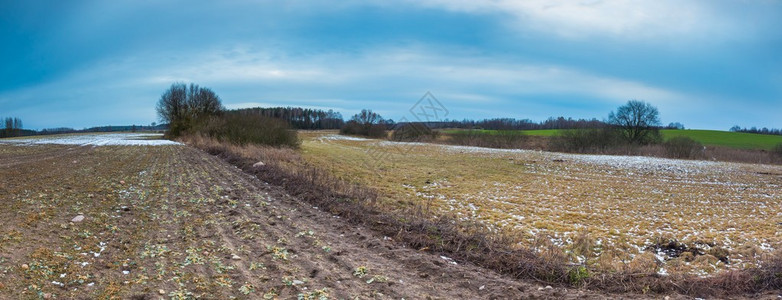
(172, 104)
(203, 101)
(13, 127)
(365, 123)
(181, 106)
(367, 117)
(638, 122)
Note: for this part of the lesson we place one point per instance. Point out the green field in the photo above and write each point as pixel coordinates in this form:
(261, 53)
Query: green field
(738, 140)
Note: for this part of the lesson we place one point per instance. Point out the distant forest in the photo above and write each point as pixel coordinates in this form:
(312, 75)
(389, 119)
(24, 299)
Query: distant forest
(515, 124)
(764, 130)
(14, 129)
(314, 119)
(299, 118)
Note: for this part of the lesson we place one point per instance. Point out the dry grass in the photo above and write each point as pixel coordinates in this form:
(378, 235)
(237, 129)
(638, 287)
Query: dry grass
(582, 211)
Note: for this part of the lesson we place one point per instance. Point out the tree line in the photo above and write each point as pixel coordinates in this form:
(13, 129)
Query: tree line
(12, 127)
(753, 129)
(517, 124)
(527, 124)
(194, 111)
(300, 118)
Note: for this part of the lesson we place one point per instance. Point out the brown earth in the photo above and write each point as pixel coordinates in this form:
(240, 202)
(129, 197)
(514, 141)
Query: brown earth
(174, 222)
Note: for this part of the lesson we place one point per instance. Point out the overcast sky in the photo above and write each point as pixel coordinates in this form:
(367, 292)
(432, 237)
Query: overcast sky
(706, 64)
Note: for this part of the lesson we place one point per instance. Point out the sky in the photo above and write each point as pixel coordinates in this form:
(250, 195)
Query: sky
(707, 64)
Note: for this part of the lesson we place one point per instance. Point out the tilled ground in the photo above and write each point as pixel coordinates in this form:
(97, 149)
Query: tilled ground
(174, 222)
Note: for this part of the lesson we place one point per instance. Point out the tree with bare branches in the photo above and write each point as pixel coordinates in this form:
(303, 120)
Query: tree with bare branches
(367, 123)
(181, 106)
(638, 122)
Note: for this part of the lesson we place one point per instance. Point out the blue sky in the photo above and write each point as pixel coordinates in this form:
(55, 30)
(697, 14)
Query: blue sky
(707, 64)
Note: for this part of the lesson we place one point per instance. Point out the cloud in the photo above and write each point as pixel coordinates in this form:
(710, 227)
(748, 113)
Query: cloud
(383, 78)
(384, 73)
(616, 19)
(485, 58)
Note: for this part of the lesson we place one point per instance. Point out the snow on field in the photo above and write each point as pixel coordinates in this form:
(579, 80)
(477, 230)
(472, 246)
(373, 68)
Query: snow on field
(97, 139)
(335, 137)
(645, 163)
(641, 163)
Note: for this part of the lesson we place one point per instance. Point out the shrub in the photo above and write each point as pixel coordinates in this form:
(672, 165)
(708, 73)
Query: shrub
(368, 130)
(414, 132)
(777, 150)
(242, 129)
(682, 147)
(377, 131)
(588, 140)
(578, 275)
(501, 139)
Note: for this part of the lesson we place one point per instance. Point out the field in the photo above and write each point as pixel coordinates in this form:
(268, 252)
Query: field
(736, 140)
(122, 216)
(611, 213)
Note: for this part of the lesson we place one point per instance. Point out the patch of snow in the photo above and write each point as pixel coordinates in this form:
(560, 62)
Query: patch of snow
(96, 139)
(766, 247)
(337, 137)
(448, 259)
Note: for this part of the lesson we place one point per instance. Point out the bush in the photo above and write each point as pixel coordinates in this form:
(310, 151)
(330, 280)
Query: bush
(242, 129)
(682, 147)
(505, 139)
(777, 150)
(591, 140)
(416, 132)
(368, 130)
(377, 131)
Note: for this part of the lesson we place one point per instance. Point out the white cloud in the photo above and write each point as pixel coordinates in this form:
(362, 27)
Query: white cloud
(378, 78)
(621, 19)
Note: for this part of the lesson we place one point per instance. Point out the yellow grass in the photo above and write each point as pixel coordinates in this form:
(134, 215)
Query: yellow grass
(603, 212)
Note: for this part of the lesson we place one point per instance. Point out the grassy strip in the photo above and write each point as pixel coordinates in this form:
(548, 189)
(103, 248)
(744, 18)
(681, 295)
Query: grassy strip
(468, 241)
